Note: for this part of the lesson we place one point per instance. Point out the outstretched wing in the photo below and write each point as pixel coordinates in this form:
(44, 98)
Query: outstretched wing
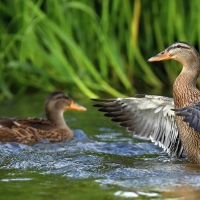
(147, 116)
(191, 115)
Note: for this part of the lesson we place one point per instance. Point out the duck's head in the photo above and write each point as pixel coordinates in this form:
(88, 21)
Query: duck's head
(60, 102)
(180, 51)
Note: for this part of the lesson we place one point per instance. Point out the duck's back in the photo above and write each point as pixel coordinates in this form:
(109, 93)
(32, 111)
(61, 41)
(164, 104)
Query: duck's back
(31, 130)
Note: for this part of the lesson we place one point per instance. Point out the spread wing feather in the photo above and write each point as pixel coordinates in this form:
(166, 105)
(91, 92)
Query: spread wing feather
(147, 116)
(191, 115)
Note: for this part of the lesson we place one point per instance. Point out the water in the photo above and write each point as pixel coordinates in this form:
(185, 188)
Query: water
(102, 162)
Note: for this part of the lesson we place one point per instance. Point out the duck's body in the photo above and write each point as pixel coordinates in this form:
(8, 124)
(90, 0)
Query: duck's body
(184, 93)
(31, 130)
(183, 97)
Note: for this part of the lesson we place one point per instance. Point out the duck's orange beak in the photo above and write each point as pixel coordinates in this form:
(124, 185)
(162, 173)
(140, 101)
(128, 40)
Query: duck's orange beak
(165, 55)
(75, 106)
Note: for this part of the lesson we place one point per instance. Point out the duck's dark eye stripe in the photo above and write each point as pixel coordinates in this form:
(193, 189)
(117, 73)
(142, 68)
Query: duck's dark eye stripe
(63, 97)
(178, 46)
(183, 47)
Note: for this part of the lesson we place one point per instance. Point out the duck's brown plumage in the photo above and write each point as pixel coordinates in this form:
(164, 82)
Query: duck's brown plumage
(31, 130)
(185, 92)
(172, 137)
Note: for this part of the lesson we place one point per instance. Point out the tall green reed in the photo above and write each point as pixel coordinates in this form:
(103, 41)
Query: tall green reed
(91, 47)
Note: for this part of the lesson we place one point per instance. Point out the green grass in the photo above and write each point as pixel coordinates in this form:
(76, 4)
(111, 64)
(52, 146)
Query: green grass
(91, 47)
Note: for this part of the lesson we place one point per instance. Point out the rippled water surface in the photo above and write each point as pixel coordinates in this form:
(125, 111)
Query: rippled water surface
(102, 162)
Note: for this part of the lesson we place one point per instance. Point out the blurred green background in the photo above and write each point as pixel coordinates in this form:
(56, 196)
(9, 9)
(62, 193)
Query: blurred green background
(92, 47)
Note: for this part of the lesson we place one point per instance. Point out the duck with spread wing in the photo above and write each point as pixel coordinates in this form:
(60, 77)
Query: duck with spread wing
(153, 117)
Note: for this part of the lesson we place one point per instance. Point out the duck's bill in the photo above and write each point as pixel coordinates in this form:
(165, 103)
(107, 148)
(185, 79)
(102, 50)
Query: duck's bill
(75, 106)
(161, 56)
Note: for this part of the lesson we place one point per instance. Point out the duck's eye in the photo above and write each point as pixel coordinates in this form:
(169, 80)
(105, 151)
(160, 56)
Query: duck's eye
(178, 46)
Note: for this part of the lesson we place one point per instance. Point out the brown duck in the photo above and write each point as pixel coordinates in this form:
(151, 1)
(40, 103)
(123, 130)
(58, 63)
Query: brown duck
(31, 130)
(151, 116)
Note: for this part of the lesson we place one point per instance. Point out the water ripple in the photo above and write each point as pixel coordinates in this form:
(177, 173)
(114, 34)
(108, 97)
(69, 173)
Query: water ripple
(123, 163)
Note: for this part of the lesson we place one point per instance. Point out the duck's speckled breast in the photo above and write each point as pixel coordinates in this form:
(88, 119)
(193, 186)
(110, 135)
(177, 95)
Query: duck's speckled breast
(185, 92)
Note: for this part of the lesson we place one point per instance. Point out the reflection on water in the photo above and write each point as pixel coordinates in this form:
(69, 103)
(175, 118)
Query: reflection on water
(103, 162)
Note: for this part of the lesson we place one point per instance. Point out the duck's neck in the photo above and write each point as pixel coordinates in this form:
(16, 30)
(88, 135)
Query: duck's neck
(184, 88)
(57, 118)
